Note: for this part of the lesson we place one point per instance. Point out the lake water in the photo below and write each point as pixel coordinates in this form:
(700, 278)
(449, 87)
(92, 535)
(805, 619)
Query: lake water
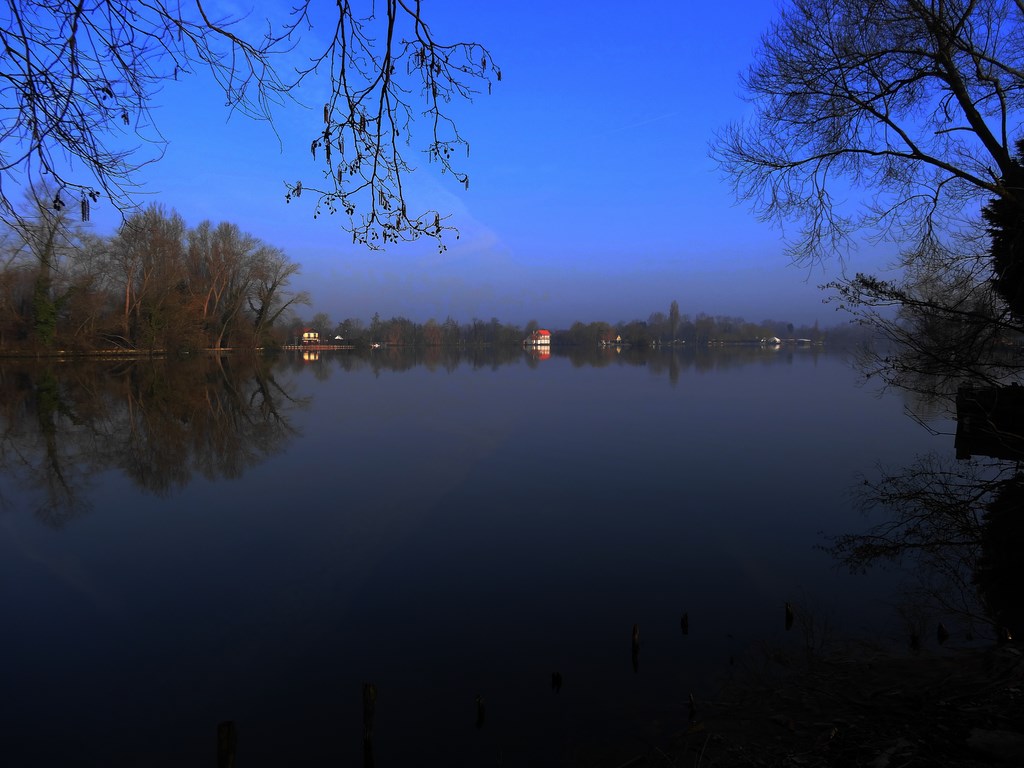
(185, 544)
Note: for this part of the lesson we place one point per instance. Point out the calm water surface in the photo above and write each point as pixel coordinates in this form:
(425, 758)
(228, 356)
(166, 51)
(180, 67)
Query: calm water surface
(186, 544)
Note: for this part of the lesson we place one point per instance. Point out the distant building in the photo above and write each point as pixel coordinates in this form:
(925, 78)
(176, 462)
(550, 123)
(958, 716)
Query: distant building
(309, 336)
(537, 339)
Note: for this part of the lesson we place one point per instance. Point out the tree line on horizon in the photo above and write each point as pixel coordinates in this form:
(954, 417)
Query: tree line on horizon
(658, 329)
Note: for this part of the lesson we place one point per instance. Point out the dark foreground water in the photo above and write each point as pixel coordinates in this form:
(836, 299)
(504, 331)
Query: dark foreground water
(184, 544)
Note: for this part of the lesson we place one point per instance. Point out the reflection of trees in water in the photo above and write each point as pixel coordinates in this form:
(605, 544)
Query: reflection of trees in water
(667, 361)
(156, 421)
(949, 351)
(958, 526)
(43, 448)
(400, 359)
(219, 419)
(932, 523)
(673, 361)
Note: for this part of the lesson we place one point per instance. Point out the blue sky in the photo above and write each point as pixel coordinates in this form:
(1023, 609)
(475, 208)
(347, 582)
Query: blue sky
(592, 195)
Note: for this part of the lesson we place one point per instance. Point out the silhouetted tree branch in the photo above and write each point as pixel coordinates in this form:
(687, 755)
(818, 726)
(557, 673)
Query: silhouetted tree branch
(79, 84)
(908, 102)
(893, 120)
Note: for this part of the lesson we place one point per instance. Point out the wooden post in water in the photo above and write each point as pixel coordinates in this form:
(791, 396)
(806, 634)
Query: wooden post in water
(367, 752)
(481, 712)
(227, 742)
(369, 709)
(556, 681)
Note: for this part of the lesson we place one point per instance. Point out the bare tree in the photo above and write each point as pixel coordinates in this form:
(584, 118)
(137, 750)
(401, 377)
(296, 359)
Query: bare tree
(940, 324)
(912, 102)
(46, 236)
(897, 120)
(233, 274)
(269, 298)
(147, 257)
(79, 82)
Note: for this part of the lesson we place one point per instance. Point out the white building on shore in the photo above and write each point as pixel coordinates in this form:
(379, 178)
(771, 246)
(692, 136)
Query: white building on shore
(538, 339)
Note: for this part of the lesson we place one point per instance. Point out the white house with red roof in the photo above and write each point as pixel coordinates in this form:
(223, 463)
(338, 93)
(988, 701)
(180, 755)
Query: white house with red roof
(539, 338)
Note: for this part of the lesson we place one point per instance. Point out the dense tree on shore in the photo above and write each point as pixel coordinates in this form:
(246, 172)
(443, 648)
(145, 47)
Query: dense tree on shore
(153, 285)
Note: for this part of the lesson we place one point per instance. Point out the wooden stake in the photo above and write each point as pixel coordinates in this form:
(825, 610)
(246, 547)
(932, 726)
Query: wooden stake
(227, 742)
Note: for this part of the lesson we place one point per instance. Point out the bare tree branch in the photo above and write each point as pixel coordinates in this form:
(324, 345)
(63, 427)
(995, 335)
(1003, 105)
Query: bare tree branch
(78, 83)
(887, 98)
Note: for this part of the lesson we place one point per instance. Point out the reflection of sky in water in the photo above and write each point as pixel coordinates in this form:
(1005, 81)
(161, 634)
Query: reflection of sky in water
(448, 534)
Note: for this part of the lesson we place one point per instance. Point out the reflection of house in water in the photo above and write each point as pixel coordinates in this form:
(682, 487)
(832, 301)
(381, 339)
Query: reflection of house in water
(310, 356)
(538, 343)
(309, 336)
(990, 422)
